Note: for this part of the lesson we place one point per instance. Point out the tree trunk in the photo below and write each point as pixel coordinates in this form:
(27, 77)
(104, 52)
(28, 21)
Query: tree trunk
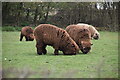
(28, 14)
(19, 7)
(46, 16)
(36, 15)
(5, 11)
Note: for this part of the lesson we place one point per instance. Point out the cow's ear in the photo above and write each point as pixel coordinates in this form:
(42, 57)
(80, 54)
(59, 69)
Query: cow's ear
(32, 36)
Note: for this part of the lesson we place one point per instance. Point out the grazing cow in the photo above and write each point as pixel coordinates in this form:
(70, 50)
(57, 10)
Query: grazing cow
(81, 35)
(94, 33)
(27, 32)
(46, 34)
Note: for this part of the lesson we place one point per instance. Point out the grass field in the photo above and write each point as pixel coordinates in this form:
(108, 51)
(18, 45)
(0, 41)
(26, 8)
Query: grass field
(19, 59)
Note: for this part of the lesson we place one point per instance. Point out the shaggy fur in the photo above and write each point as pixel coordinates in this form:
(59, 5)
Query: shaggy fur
(94, 33)
(46, 34)
(27, 32)
(81, 35)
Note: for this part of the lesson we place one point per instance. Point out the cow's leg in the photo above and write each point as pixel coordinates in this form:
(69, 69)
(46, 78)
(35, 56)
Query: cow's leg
(26, 38)
(39, 47)
(56, 49)
(56, 52)
(44, 49)
(21, 37)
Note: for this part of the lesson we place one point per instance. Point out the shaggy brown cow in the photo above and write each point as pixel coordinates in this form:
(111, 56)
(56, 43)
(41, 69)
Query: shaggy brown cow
(81, 36)
(27, 32)
(94, 33)
(46, 34)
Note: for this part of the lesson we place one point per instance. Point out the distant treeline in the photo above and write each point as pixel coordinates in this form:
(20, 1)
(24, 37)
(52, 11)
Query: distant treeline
(60, 14)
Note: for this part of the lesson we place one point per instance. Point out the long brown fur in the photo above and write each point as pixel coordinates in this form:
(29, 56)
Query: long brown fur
(27, 32)
(94, 33)
(81, 35)
(46, 34)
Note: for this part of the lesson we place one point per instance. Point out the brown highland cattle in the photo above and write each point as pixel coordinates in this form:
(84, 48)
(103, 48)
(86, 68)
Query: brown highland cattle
(94, 33)
(27, 32)
(46, 34)
(81, 36)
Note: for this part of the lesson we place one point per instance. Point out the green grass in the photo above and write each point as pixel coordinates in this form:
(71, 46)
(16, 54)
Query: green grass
(19, 59)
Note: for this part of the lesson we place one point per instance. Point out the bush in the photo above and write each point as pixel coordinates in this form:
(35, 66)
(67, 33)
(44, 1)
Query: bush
(18, 28)
(25, 24)
(11, 28)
